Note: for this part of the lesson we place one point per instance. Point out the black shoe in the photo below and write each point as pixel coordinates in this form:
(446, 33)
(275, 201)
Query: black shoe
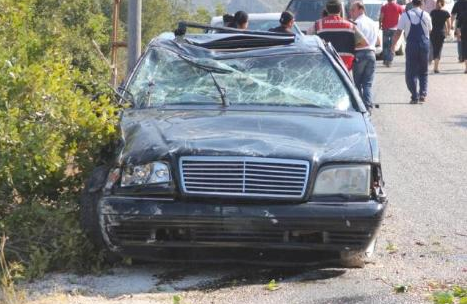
(414, 101)
(422, 98)
(436, 71)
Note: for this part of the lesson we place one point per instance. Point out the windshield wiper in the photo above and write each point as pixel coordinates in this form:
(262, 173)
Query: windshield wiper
(211, 70)
(225, 102)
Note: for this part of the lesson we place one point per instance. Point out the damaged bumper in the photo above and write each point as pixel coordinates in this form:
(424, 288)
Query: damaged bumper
(143, 226)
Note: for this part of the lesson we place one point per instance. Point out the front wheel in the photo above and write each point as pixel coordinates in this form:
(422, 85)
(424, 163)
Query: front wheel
(89, 213)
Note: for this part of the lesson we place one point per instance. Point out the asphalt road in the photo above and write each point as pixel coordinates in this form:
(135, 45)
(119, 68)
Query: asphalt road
(422, 244)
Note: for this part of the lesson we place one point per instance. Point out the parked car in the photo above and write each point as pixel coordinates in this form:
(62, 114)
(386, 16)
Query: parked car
(252, 142)
(259, 22)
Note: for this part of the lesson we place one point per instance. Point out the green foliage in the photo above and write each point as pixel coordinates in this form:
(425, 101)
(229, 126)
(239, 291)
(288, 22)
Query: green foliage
(272, 285)
(46, 236)
(55, 117)
(220, 9)
(176, 299)
(48, 76)
(163, 16)
(457, 294)
(443, 298)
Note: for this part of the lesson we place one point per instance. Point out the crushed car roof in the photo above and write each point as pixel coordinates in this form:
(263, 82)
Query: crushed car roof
(237, 43)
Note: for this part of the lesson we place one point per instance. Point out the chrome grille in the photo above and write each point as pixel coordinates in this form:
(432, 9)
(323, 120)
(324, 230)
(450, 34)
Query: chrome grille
(244, 176)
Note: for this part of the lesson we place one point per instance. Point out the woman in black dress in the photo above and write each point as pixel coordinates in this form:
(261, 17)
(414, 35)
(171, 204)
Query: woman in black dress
(441, 26)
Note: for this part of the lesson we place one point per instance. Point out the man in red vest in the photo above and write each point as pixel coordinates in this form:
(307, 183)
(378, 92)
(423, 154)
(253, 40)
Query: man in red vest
(342, 34)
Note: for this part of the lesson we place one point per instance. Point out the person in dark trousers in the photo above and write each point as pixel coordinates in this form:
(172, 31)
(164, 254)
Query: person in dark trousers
(416, 24)
(342, 34)
(440, 19)
(365, 58)
(241, 20)
(388, 19)
(462, 33)
(287, 20)
(457, 10)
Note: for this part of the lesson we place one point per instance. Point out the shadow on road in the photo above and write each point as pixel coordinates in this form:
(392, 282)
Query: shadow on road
(212, 277)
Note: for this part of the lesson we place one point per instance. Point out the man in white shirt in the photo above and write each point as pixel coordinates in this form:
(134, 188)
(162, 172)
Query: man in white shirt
(416, 24)
(365, 58)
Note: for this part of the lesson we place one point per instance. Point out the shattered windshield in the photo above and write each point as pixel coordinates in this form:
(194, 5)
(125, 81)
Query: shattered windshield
(167, 78)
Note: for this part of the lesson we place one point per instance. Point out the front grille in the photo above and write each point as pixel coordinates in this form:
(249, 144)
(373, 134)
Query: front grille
(146, 231)
(244, 176)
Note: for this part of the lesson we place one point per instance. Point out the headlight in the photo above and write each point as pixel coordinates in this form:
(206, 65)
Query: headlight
(153, 173)
(343, 179)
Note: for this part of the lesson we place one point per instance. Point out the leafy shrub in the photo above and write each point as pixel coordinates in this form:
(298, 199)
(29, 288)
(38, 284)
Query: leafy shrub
(55, 118)
(47, 117)
(46, 236)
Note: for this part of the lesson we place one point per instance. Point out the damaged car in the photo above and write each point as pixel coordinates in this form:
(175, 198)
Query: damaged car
(245, 145)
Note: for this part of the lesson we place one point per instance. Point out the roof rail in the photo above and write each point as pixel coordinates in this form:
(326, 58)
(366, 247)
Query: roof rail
(184, 25)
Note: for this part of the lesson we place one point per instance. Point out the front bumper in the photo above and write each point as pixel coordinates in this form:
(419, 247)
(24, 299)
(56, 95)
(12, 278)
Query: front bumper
(142, 226)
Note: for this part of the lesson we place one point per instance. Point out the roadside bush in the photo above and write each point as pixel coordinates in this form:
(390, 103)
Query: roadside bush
(55, 118)
(45, 236)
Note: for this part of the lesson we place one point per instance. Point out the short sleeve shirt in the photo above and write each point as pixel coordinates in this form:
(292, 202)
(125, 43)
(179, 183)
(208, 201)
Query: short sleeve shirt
(415, 13)
(391, 12)
(438, 20)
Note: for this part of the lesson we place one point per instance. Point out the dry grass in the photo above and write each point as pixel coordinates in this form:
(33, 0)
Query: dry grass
(8, 291)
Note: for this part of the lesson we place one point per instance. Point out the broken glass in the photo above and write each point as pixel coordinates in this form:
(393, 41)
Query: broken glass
(166, 78)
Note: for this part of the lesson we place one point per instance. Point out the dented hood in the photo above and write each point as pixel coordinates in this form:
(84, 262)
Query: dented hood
(315, 135)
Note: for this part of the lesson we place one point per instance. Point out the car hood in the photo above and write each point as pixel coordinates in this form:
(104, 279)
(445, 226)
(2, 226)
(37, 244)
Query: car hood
(321, 135)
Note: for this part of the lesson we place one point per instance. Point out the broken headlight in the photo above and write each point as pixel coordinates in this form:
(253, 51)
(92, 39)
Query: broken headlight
(343, 180)
(152, 173)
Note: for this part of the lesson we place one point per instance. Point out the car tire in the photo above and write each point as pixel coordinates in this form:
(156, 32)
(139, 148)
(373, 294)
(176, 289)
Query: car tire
(352, 259)
(89, 215)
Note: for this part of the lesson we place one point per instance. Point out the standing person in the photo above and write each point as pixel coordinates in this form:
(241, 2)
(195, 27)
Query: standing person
(440, 20)
(388, 19)
(342, 34)
(459, 7)
(416, 25)
(365, 58)
(287, 20)
(241, 20)
(462, 33)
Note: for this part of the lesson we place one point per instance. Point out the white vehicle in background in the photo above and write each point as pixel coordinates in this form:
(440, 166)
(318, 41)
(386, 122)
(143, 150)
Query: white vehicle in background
(373, 9)
(259, 22)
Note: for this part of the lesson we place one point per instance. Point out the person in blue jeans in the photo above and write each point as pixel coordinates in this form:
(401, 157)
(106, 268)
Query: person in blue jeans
(417, 27)
(365, 58)
(388, 56)
(388, 20)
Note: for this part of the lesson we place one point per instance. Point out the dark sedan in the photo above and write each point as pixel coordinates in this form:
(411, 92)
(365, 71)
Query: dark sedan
(253, 142)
